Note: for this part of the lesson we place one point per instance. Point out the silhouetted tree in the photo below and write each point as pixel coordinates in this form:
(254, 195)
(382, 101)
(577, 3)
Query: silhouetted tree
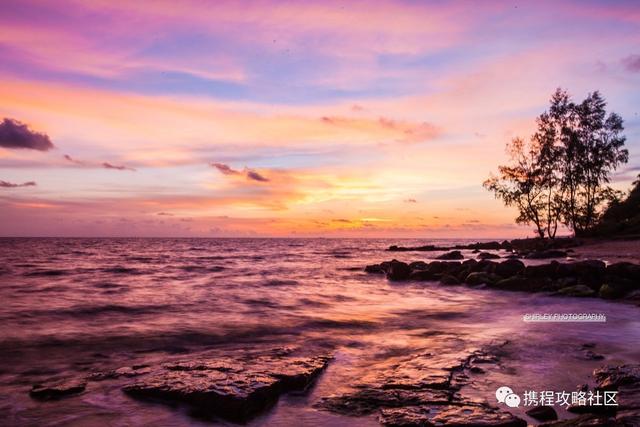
(519, 184)
(561, 176)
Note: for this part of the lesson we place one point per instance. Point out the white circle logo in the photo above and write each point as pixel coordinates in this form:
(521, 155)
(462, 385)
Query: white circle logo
(512, 400)
(502, 393)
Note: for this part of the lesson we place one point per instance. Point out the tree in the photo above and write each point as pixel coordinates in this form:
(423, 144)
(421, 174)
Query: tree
(561, 175)
(595, 150)
(521, 185)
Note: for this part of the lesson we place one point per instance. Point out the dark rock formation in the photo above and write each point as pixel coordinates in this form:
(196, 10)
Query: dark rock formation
(450, 415)
(234, 389)
(57, 389)
(587, 278)
(397, 270)
(423, 390)
(487, 255)
(625, 380)
(543, 413)
(551, 253)
(451, 255)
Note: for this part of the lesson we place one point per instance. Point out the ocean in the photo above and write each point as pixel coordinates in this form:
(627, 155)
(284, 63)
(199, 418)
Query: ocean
(72, 306)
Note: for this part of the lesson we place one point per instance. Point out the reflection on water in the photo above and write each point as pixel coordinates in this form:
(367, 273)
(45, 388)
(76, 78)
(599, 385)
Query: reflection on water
(77, 305)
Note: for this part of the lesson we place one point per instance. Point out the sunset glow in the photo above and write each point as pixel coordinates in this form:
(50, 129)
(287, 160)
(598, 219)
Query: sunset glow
(282, 118)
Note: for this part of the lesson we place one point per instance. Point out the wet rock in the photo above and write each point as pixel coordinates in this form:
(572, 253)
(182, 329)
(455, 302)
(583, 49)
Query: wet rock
(396, 248)
(481, 278)
(576, 291)
(609, 292)
(449, 415)
(625, 270)
(375, 269)
(487, 255)
(369, 400)
(612, 377)
(449, 280)
(544, 270)
(585, 420)
(126, 371)
(551, 253)
(422, 275)
(509, 268)
(451, 255)
(590, 355)
(57, 389)
(398, 270)
(418, 265)
(543, 413)
(518, 283)
(230, 389)
(590, 272)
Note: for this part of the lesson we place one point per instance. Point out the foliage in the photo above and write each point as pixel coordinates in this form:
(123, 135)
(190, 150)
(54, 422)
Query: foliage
(562, 174)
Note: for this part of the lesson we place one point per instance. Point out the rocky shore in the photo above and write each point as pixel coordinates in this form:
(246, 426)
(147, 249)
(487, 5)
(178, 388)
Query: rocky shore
(588, 278)
(234, 387)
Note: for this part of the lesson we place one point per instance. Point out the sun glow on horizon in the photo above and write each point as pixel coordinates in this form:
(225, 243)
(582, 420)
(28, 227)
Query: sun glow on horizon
(295, 119)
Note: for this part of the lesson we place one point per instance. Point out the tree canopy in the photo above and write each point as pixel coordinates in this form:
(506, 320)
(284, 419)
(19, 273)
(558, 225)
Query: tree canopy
(561, 175)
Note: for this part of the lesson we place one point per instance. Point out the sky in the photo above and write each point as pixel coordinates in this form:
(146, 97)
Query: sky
(277, 118)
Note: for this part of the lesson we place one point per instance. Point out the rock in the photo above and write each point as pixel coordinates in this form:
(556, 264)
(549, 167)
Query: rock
(398, 270)
(369, 400)
(609, 292)
(418, 265)
(546, 254)
(449, 280)
(584, 421)
(449, 415)
(451, 255)
(577, 291)
(590, 355)
(374, 269)
(509, 268)
(57, 389)
(544, 270)
(518, 283)
(126, 371)
(590, 272)
(480, 278)
(543, 413)
(625, 270)
(231, 389)
(422, 275)
(612, 377)
(396, 248)
(487, 255)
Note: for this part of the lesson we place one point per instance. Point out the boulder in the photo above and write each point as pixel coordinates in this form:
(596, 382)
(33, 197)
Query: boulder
(624, 270)
(487, 255)
(57, 389)
(577, 291)
(544, 270)
(451, 255)
(543, 413)
(418, 265)
(480, 278)
(230, 389)
(449, 415)
(422, 275)
(449, 280)
(509, 268)
(398, 270)
(546, 254)
(374, 269)
(518, 283)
